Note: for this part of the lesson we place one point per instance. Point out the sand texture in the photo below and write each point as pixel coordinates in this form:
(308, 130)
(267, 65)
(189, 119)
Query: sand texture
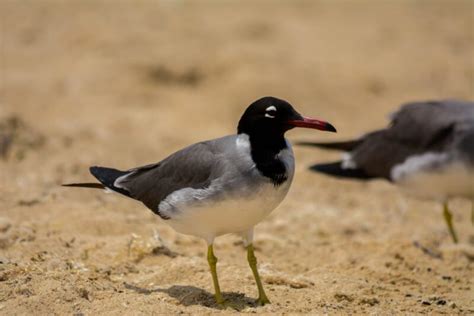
(125, 83)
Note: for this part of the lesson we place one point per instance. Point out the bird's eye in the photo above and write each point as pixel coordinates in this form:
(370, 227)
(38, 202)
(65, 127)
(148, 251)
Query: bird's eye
(270, 112)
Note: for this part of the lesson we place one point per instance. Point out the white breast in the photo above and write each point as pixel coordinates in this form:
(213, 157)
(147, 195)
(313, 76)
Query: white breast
(434, 176)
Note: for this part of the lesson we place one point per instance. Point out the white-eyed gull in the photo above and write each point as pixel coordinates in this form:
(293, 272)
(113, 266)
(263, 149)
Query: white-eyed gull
(221, 186)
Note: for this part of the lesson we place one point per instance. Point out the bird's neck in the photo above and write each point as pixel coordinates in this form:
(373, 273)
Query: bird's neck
(264, 151)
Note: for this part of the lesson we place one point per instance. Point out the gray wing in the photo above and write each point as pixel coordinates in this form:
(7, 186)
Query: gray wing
(422, 123)
(192, 167)
(415, 129)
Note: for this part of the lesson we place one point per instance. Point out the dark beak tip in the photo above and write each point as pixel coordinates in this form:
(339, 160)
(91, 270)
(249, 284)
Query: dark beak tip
(331, 128)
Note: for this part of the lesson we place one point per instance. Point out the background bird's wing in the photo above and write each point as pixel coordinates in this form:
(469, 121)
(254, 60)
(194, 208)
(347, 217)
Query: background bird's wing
(414, 129)
(428, 125)
(372, 156)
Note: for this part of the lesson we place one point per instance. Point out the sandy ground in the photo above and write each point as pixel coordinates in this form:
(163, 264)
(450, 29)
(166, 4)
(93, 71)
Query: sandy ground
(123, 84)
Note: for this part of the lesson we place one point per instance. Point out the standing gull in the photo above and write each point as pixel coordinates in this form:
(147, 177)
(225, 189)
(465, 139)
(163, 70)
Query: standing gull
(221, 186)
(428, 151)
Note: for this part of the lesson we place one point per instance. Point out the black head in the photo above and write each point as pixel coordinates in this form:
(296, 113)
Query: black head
(265, 122)
(270, 116)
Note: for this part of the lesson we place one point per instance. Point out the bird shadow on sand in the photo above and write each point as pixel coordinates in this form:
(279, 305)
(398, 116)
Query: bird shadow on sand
(191, 295)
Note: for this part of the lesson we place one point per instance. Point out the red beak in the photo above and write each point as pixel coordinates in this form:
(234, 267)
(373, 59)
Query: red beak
(313, 123)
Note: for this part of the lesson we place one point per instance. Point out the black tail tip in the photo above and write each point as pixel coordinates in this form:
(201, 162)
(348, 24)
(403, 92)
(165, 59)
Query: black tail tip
(335, 169)
(308, 144)
(94, 169)
(84, 185)
(329, 168)
(107, 176)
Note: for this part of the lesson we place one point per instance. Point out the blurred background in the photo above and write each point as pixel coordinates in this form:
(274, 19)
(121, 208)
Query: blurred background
(125, 83)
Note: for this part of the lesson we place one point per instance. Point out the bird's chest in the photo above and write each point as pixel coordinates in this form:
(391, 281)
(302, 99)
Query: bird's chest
(233, 212)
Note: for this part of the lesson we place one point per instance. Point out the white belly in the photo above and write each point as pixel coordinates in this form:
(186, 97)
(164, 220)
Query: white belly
(229, 215)
(455, 180)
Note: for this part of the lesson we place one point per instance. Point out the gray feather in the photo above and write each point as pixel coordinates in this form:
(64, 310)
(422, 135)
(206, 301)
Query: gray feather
(193, 167)
(416, 128)
(151, 184)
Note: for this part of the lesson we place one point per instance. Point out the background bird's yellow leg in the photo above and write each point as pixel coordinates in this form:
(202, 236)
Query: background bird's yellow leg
(472, 212)
(262, 297)
(212, 260)
(448, 217)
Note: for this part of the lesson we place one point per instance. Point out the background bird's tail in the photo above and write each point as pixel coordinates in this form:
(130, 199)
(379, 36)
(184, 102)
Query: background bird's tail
(335, 169)
(343, 146)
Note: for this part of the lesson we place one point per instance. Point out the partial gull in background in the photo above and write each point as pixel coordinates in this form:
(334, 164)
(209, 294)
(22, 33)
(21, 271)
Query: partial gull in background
(427, 150)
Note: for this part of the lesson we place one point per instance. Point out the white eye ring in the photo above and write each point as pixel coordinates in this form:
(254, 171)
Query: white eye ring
(271, 108)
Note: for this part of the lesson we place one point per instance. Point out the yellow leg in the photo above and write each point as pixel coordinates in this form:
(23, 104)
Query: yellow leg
(472, 212)
(212, 260)
(262, 297)
(448, 217)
